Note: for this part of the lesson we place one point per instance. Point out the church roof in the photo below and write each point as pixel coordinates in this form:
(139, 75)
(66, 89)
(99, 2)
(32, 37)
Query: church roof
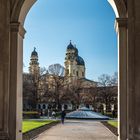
(34, 53)
(70, 46)
(80, 60)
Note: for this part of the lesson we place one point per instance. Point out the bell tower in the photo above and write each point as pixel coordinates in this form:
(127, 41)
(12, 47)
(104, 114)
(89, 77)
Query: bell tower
(74, 64)
(34, 68)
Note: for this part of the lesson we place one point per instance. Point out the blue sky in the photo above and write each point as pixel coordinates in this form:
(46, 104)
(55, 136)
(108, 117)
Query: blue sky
(51, 24)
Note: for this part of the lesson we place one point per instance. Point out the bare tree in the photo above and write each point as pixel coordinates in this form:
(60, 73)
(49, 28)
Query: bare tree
(41, 84)
(55, 81)
(89, 96)
(114, 79)
(43, 71)
(29, 94)
(55, 91)
(56, 69)
(104, 80)
(34, 87)
(74, 93)
(107, 90)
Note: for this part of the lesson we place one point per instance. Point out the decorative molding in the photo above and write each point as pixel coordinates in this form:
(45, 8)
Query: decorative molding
(22, 30)
(26, 6)
(17, 27)
(119, 7)
(121, 22)
(14, 26)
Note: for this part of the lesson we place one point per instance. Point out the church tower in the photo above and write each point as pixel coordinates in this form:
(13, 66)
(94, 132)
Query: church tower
(34, 64)
(74, 64)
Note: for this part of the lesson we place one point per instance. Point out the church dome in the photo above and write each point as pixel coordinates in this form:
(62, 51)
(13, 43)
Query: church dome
(80, 61)
(70, 46)
(34, 53)
(76, 51)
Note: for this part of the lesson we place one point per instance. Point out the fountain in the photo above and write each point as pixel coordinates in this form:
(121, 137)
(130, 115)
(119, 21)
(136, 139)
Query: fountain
(86, 113)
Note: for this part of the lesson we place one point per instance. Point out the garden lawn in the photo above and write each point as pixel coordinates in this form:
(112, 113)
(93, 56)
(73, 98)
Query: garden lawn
(113, 123)
(28, 125)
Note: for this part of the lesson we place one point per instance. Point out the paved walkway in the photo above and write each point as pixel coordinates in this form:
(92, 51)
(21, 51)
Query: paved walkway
(78, 130)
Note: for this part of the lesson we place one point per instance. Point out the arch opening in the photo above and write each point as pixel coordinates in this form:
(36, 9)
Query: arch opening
(119, 9)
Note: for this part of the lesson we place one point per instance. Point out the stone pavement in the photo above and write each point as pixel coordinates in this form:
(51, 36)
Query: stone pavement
(78, 130)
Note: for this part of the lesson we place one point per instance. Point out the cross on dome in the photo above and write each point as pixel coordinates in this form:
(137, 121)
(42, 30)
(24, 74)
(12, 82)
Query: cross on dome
(34, 48)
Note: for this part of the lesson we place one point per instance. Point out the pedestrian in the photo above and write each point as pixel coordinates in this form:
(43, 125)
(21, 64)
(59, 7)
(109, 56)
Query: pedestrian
(113, 114)
(53, 114)
(63, 114)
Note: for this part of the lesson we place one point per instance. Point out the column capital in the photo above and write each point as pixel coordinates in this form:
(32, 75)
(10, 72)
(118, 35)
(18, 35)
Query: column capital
(18, 28)
(120, 23)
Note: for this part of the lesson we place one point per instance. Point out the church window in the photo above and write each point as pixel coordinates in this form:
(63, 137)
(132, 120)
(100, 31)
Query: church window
(73, 71)
(77, 73)
(67, 72)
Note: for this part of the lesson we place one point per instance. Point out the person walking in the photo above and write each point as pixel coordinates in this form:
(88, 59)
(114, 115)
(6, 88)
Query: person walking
(63, 114)
(53, 115)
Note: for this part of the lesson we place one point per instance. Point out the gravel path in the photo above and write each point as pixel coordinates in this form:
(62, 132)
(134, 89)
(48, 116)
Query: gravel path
(78, 130)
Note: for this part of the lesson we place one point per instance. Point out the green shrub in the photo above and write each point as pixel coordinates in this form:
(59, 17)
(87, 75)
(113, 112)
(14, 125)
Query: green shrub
(30, 115)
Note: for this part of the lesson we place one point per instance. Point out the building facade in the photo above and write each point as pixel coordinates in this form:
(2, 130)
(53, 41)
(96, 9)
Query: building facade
(74, 75)
(74, 64)
(75, 67)
(34, 68)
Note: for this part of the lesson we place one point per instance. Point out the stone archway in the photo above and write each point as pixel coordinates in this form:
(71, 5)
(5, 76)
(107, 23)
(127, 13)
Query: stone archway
(121, 29)
(12, 115)
(119, 8)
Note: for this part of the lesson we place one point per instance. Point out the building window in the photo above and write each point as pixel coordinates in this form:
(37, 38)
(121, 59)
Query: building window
(82, 73)
(77, 73)
(74, 72)
(44, 106)
(67, 72)
(39, 106)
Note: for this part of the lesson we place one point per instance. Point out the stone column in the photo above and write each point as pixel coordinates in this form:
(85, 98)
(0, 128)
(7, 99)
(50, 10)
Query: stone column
(134, 69)
(16, 67)
(4, 69)
(121, 28)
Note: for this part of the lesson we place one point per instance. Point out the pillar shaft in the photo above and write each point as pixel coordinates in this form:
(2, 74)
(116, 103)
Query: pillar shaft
(121, 28)
(4, 69)
(16, 66)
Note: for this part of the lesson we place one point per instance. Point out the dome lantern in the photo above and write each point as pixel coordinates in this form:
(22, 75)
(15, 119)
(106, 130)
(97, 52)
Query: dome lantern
(34, 53)
(70, 46)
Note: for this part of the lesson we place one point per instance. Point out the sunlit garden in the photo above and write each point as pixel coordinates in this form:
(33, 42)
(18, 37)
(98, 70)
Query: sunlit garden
(113, 123)
(28, 125)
